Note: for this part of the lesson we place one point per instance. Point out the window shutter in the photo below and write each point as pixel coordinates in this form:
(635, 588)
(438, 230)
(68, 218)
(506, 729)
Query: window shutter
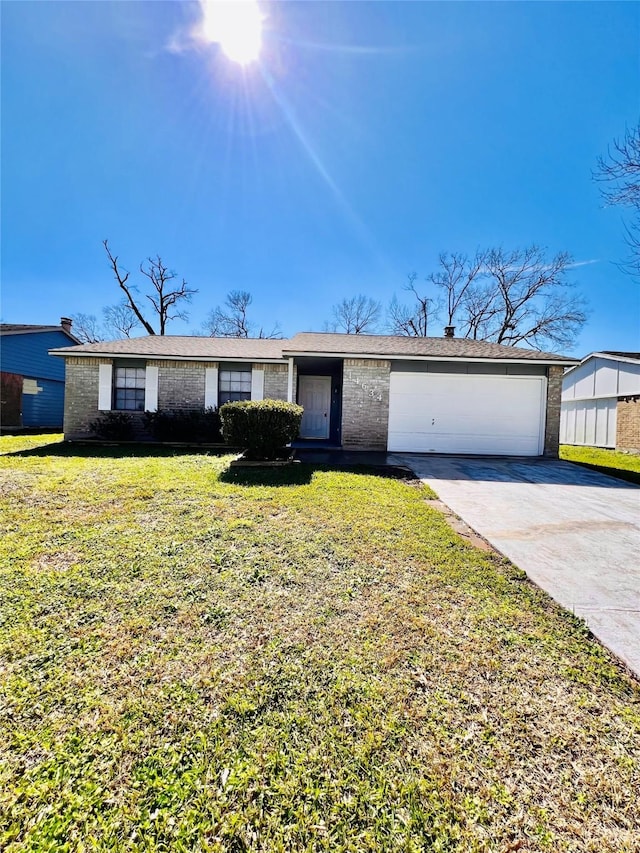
(151, 389)
(105, 373)
(257, 384)
(211, 387)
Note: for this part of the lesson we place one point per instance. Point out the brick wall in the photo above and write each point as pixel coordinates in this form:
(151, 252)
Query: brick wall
(552, 423)
(81, 395)
(628, 424)
(365, 403)
(181, 383)
(276, 378)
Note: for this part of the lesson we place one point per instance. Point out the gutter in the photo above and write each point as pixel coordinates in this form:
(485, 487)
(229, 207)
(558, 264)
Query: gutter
(462, 358)
(155, 357)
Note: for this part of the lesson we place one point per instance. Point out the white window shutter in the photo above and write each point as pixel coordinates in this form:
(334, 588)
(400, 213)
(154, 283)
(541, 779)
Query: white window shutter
(257, 384)
(290, 382)
(105, 374)
(151, 389)
(211, 387)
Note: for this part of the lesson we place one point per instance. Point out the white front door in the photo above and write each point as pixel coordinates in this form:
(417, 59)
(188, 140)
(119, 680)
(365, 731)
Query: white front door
(314, 395)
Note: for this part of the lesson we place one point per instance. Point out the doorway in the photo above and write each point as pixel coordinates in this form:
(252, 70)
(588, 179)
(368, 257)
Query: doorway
(314, 395)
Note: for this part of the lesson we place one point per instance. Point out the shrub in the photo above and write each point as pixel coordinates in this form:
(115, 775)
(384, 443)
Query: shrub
(192, 425)
(113, 426)
(261, 427)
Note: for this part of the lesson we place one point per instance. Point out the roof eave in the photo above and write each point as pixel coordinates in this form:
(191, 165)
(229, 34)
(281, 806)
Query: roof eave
(63, 352)
(564, 362)
(606, 355)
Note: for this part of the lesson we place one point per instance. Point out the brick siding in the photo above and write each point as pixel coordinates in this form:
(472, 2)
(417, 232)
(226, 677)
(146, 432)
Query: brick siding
(365, 403)
(552, 422)
(276, 379)
(628, 424)
(181, 383)
(81, 395)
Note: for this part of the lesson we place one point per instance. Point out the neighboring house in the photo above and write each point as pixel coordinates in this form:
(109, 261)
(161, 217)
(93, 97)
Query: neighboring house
(32, 382)
(601, 401)
(434, 395)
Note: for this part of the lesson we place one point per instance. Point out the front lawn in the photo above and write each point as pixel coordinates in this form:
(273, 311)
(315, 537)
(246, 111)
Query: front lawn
(298, 660)
(601, 457)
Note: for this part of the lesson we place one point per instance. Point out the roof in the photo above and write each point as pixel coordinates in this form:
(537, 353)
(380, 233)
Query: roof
(183, 347)
(632, 356)
(27, 329)
(622, 357)
(372, 346)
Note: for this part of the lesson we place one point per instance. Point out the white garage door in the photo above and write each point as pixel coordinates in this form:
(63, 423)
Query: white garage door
(458, 413)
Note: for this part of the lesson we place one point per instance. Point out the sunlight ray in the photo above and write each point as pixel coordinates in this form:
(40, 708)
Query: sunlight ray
(293, 122)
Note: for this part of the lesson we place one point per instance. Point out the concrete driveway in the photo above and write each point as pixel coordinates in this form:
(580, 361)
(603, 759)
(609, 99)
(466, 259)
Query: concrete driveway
(576, 533)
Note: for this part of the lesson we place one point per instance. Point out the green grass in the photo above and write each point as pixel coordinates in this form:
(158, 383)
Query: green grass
(614, 459)
(294, 660)
(17, 443)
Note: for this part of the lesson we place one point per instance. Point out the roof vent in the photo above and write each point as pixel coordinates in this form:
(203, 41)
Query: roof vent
(449, 331)
(66, 323)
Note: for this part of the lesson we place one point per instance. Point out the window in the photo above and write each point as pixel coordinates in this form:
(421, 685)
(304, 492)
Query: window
(234, 385)
(128, 393)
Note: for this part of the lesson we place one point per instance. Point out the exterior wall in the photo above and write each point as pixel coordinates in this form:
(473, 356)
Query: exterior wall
(589, 422)
(42, 403)
(10, 399)
(81, 397)
(469, 367)
(42, 375)
(598, 403)
(365, 403)
(276, 378)
(552, 418)
(601, 378)
(28, 354)
(181, 383)
(628, 424)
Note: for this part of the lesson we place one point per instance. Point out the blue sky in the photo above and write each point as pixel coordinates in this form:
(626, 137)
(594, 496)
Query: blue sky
(369, 138)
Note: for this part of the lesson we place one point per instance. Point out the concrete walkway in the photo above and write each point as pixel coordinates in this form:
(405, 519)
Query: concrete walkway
(576, 533)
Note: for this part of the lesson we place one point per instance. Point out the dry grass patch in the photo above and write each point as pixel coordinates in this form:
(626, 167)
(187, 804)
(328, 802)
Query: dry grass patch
(298, 660)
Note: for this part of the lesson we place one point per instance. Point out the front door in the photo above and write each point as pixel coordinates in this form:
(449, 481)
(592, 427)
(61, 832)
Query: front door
(314, 395)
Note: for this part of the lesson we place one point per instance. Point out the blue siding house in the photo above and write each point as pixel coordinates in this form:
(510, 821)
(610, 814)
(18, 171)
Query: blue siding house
(32, 387)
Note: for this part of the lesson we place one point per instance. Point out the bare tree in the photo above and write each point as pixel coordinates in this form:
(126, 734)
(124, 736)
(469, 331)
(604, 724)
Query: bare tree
(120, 319)
(117, 320)
(88, 329)
(455, 278)
(533, 302)
(512, 297)
(412, 320)
(167, 299)
(356, 316)
(518, 297)
(231, 319)
(619, 173)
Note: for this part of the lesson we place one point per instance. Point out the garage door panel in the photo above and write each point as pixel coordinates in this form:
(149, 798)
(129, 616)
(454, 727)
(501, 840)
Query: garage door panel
(444, 413)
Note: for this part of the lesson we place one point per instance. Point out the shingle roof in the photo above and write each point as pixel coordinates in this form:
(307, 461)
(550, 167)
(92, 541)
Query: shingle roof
(30, 329)
(389, 345)
(22, 328)
(183, 346)
(635, 355)
(318, 343)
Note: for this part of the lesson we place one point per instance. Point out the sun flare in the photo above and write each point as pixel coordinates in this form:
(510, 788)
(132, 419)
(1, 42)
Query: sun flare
(236, 25)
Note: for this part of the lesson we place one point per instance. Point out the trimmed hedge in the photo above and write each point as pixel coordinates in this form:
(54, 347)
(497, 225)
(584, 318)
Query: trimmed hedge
(261, 427)
(199, 426)
(113, 426)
